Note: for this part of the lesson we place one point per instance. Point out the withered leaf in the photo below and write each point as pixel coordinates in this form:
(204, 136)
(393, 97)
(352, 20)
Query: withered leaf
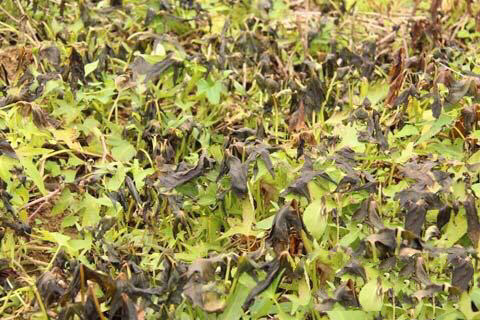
(384, 240)
(76, 69)
(473, 224)
(205, 267)
(151, 72)
(437, 104)
(285, 220)
(274, 268)
(238, 174)
(443, 216)
(179, 177)
(412, 195)
(346, 295)
(300, 185)
(50, 286)
(133, 190)
(6, 149)
(355, 268)
(396, 76)
(429, 291)
(420, 274)
(368, 211)
(52, 54)
(460, 89)
(462, 273)
(415, 217)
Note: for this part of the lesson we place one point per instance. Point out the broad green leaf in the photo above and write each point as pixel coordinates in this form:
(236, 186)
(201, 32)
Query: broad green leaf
(406, 131)
(211, 90)
(347, 315)
(371, 296)
(349, 138)
(90, 212)
(476, 189)
(33, 173)
(124, 152)
(115, 182)
(90, 67)
(315, 219)
(435, 127)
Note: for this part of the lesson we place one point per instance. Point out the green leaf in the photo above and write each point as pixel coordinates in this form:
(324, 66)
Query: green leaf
(91, 211)
(124, 152)
(371, 296)
(212, 91)
(347, 315)
(116, 181)
(89, 68)
(33, 173)
(436, 127)
(476, 189)
(314, 219)
(349, 136)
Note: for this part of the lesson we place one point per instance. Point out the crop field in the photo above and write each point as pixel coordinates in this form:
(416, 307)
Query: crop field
(239, 159)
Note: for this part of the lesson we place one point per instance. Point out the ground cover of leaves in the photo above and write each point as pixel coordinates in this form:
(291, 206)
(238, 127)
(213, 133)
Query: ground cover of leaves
(239, 159)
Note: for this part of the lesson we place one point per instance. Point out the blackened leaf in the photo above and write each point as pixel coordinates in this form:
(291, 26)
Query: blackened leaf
(462, 273)
(106, 283)
(415, 218)
(6, 199)
(238, 174)
(151, 72)
(429, 291)
(368, 211)
(353, 267)
(205, 267)
(179, 177)
(459, 89)
(243, 133)
(384, 239)
(49, 286)
(420, 274)
(410, 196)
(379, 136)
(133, 190)
(263, 151)
(52, 54)
(276, 268)
(437, 104)
(346, 295)
(118, 197)
(20, 228)
(300, 185)
(473, 225)
(285, 219)
(300, 148)
(76, 69)
(7, 150)
(443, 216)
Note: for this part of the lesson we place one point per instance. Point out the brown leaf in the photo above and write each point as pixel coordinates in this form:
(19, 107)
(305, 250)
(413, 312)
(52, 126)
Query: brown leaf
(473, 224)
(297, 119)
(396, 76)
(462, 273)
(179, 177)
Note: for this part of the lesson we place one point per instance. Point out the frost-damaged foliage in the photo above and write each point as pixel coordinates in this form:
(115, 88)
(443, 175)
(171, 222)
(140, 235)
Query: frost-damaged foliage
(240, 159)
